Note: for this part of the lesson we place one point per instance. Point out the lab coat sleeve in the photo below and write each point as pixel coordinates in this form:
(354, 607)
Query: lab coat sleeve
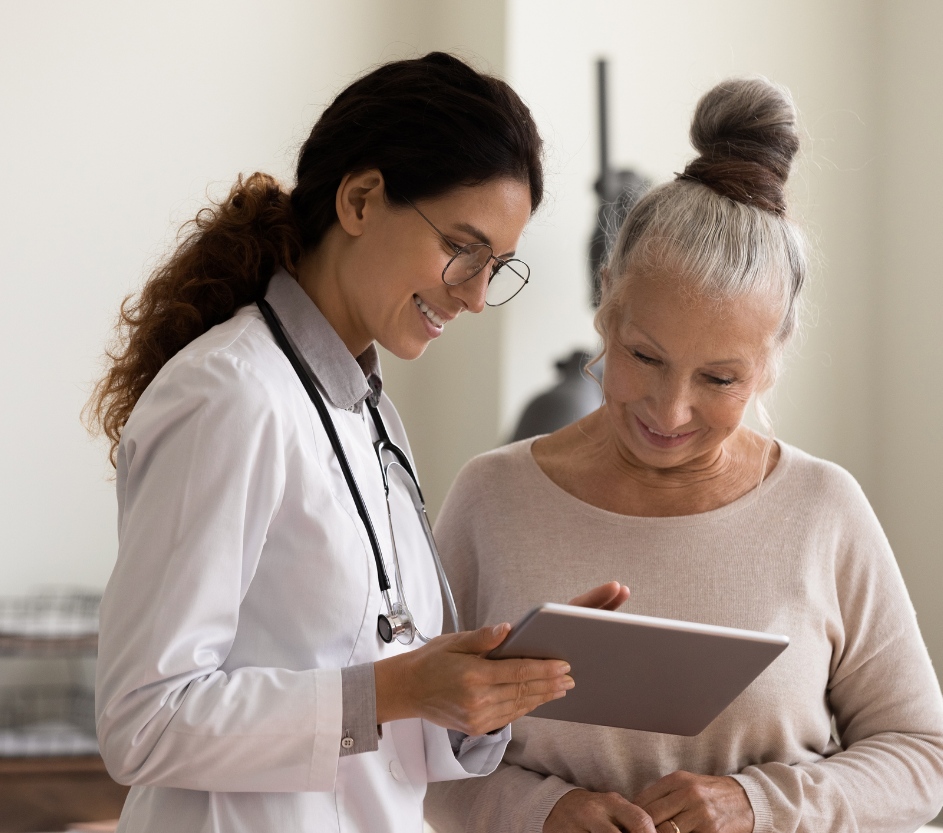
(200, 476)
(475, 755)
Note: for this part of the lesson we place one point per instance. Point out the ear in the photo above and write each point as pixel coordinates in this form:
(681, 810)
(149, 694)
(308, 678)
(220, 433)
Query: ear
(358, 195)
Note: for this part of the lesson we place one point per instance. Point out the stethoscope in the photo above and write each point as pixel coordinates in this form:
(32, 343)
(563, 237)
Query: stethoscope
(398, 622)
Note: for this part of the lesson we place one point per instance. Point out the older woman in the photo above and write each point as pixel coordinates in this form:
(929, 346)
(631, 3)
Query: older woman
(665, 487)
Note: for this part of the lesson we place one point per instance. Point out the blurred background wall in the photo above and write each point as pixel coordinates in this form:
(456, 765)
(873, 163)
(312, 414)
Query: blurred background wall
(119, 119)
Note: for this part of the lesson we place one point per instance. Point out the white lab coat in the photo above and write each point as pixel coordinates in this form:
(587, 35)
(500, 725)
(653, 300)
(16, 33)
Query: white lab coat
(245, 581)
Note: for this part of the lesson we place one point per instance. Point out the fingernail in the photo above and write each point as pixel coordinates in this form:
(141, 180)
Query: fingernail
(499, 629)
(563, 669)
(569, 682)
(558, 695)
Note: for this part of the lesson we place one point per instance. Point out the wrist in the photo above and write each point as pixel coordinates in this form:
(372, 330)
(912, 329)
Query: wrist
(393, 697)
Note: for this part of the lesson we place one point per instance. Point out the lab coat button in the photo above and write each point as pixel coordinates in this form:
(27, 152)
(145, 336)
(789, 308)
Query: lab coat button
(397, 771)
(347, 742)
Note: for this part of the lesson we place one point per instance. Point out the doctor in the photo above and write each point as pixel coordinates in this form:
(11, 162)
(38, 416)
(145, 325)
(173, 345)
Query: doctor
(262, 658)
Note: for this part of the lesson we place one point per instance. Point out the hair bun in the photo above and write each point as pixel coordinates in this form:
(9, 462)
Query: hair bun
(745, 131)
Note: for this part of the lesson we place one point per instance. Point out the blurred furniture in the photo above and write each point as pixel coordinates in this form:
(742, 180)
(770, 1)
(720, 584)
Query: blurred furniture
(51, 774)
(573, 396)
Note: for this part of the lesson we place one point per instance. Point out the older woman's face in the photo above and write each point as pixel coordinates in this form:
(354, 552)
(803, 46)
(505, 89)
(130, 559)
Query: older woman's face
(680, 370)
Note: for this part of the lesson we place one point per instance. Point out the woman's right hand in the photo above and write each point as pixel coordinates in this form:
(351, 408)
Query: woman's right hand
(450, 683)
(582, 811)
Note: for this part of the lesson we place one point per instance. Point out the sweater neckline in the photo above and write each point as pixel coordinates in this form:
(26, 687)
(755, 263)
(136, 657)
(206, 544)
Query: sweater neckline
(755, 497)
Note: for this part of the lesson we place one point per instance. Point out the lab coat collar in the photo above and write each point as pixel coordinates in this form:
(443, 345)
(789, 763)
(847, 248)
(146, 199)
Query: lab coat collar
(346, 381)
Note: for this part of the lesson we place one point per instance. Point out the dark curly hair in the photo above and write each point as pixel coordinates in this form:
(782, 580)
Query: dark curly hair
(429, 125)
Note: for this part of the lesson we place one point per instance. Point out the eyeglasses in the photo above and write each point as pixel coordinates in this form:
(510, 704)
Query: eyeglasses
(508, 277)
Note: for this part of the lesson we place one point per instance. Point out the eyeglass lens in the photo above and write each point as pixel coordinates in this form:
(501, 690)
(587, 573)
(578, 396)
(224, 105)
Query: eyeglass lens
(506, 280)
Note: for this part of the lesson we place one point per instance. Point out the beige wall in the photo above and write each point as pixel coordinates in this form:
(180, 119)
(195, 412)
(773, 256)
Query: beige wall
(907, 362)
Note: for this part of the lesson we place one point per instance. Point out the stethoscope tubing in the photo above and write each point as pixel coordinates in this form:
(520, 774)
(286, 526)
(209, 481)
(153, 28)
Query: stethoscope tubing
(397, 613)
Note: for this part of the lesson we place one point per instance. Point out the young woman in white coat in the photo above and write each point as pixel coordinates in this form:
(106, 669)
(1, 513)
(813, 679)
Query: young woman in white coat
(255, 674)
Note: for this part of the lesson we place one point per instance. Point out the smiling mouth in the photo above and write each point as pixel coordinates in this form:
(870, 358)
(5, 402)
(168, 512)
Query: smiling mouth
(664, 440)
(424, 309)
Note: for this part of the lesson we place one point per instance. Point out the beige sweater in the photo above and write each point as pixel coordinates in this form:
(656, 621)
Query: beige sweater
(804, 556)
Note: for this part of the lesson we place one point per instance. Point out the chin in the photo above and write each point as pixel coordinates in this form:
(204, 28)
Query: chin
(407, 352)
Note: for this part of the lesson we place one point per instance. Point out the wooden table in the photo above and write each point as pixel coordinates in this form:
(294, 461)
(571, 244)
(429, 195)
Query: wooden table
(39, 794)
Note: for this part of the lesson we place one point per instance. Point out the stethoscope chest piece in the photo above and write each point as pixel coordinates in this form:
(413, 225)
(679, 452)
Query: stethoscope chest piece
(398, 625)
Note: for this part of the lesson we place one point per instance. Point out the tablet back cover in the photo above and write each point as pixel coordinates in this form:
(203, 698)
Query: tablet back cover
(639, 672)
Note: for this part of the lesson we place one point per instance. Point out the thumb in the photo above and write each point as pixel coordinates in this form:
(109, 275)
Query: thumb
(482, 640)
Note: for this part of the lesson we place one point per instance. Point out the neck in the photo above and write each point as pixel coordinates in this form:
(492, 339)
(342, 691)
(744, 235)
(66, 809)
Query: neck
(319, 275)
(631, 486)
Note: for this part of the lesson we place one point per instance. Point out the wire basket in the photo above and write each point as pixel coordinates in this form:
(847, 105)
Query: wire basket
(38, 720)
(53, 614)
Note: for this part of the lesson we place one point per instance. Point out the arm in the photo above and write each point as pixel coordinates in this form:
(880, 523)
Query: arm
(888, 773)
(510, 799)
(200, 477)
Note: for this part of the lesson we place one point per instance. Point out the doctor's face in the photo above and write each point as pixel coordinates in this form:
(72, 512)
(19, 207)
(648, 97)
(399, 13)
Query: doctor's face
(680, 369)
(403, 302)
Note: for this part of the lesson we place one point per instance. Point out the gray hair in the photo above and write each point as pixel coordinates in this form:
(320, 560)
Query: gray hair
(722, 225)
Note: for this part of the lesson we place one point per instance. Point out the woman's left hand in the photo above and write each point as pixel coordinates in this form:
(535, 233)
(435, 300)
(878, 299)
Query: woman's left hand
(697, 804)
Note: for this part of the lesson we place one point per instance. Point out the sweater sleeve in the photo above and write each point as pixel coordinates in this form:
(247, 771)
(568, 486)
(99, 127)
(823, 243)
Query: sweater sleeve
(885, 699)
(510, 800)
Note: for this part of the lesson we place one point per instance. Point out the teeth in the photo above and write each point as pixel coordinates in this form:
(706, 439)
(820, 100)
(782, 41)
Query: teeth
(428, 312)
(658, 433)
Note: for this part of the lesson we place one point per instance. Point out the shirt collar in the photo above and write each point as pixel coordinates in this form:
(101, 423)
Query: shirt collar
(346, 381)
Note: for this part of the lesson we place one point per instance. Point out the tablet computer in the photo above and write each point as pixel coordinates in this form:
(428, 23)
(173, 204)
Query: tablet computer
(641, 672)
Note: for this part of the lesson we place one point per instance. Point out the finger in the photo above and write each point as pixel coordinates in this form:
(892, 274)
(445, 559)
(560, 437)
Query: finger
(518, 671)
(605, 597)
(618, 600)
(633, 819)
(662, 787)
(672, 807)
(512, 693)
(480, 641)
(507, 711)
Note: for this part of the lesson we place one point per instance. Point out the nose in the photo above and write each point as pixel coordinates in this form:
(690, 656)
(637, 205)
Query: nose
(671, 406)
(473, 291)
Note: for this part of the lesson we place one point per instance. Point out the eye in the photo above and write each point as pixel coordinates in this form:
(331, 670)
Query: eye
(643, 358)
(720, 381)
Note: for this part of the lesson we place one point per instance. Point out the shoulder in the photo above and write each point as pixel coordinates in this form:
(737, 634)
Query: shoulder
(232, 376)
(819, 480)
(233, 359)
(488, 484)
(834, 512)
(500, 468)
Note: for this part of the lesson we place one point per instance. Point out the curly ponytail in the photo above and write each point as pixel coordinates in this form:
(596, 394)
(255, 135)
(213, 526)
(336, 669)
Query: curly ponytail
(225, 259)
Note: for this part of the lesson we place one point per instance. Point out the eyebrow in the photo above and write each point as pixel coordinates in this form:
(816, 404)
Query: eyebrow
(468, 228)
(735, 361)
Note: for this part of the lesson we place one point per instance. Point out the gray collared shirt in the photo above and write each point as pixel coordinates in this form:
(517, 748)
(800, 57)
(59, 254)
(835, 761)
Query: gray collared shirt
(347, 381)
